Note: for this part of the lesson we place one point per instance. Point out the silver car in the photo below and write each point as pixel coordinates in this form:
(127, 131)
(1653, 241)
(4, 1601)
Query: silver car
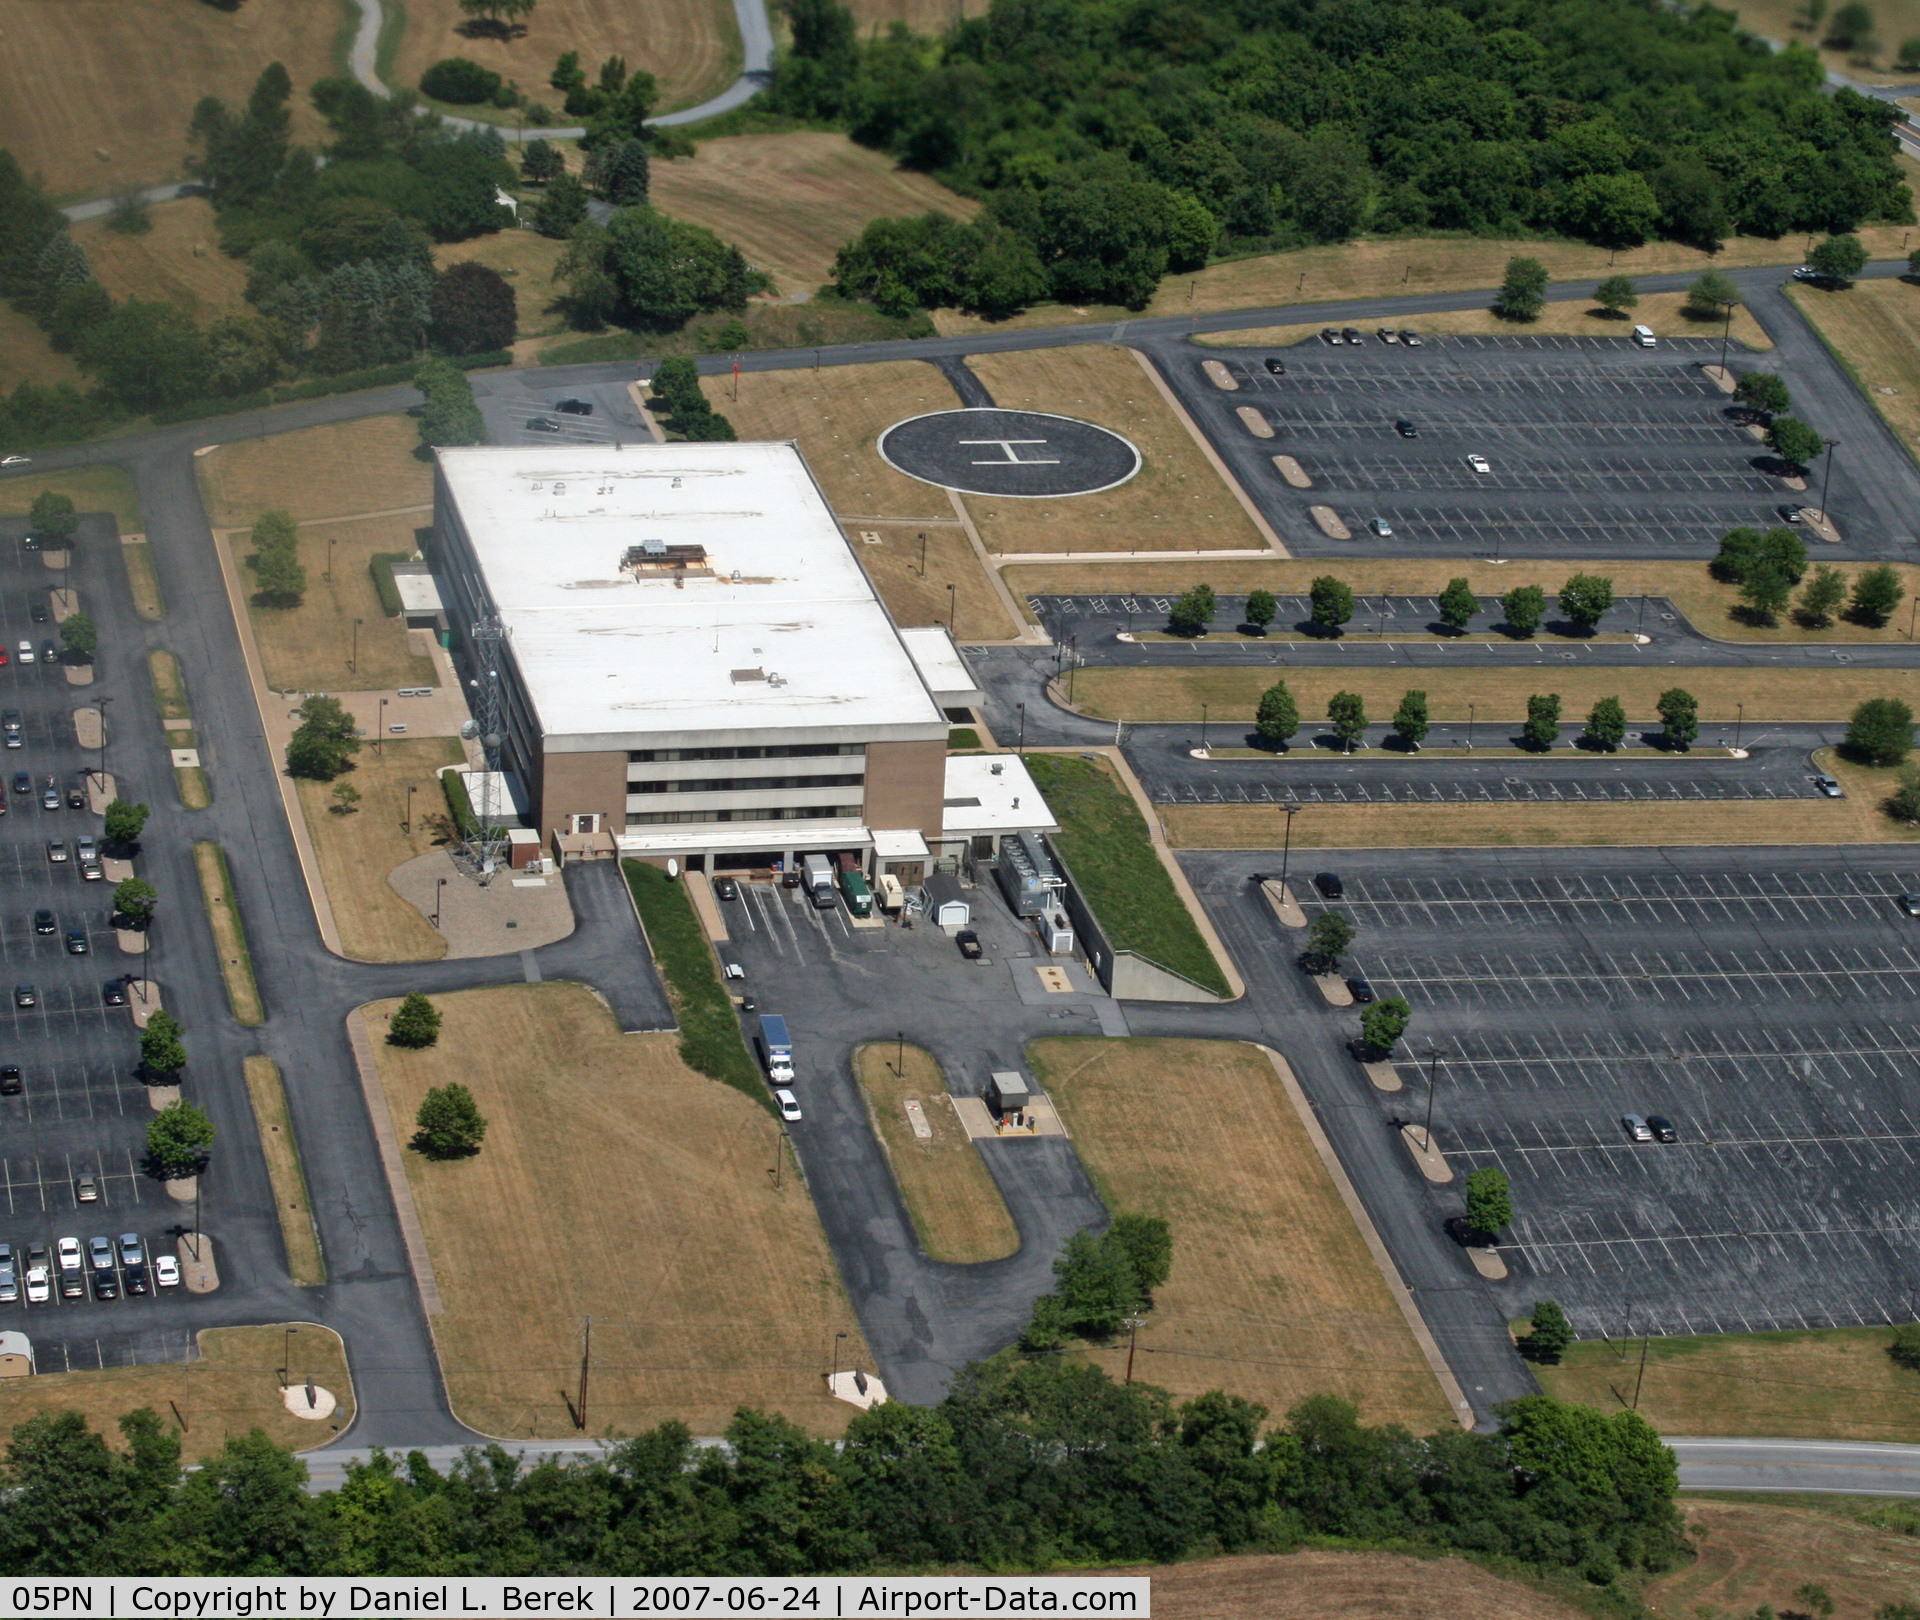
(1636, 1127)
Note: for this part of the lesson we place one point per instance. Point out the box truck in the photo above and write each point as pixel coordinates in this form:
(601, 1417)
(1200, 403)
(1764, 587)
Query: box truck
(859, 896)
(818, 874)
(776, 1049)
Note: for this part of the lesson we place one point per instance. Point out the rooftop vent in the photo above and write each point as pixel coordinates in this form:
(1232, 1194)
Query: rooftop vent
(656, 557)
(742, 677)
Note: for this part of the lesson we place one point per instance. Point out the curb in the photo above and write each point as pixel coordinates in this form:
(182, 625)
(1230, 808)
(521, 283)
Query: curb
(419, 1260)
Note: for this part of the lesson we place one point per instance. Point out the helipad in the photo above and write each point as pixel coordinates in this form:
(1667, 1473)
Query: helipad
(1024, 454)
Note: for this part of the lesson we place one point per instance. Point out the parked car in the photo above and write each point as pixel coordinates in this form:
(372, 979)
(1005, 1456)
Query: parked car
(789, 1104)
(68, 1248)
(1806, 272)
(1636, 1127)
(24, 996)
(49, 795)
(11, 1084)
(26, 652)
(114, 992)
(100, 1253)
(77, 793)
(1331, 334)
(49, 652)
(542, 424)
(90, 870)
(969, 943)
(1351, 333)
(131, 1252)
(39, 1285)
(1388, 334)
(44, 923)
(9, 1275)
(1329, 884)
(1910, 904)
(73, 1283)
(1829, 787)
(1382, 527)
(76, 942)
(166, 1271)
(1662, 1128)
(86, 847)
(1411, 338)
(574, 407)
(726, 888)
(135, 1278)
(1480, 465)
(57, 851)
(1789, 514)
(39, 611)
(1407, 429)
(1275, 366)
(1360, 990)
(86, 1189)
(22, 783)
(106, 1285)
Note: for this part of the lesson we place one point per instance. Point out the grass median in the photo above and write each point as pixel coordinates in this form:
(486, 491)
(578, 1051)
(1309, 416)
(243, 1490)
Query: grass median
(233, 1387)
(1104, 841)
(290, 1198)
(229, 933)
(1274, 1294)
(614, 1183)
(957, 1210)
(710, 1038)
(91, 489)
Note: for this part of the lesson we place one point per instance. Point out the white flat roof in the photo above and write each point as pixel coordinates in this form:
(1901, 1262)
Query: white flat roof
(942, 668)
(418, 593)
(903, 844)
(981, 798)
(785, 633)
(672, 837)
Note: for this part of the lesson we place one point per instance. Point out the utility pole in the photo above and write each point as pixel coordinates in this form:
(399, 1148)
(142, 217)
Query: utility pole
(900, 1053)
(1286, 850)
(1020, 747)
(923, 554)
(586, 1366)
(1639, 1376)
(1726, 333)
(1433, 1081)
(1825, 481)
(353, 661)
(1133, 1334)
(953, 613)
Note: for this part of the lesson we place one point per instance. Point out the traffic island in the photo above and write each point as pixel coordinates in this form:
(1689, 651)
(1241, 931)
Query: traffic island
(1285, 907)
(198, 1273)
(1433, 1163)
(1254, 422)
(1385, 1076)
(143, 999)
(1293, 472)
(1333, 989)
(1220, 377)
(101, 792)
(160, 1097)
(1329, 523)
(1488, 1263)
(181, 1189)
(78, 674)
(87, 731)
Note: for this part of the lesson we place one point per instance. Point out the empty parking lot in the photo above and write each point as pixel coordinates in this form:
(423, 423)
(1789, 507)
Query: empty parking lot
(1582, 437)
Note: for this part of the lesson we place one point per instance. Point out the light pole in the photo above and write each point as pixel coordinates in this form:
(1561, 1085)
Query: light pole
(1726, 333)
(1825, 480)
(1911, 617)
(1433, 1079)
(953, 613)
(380, 740)
(102, 707)
(353, 663)
(900, 1053)
(331, 543)
(1286, 850)
(1203, 728)
(286, 1356)
(923, 553)
(836, 1361)
(409, 820)
(1469, 728)
(1020, 747)
(1740, 719)
(440, 886)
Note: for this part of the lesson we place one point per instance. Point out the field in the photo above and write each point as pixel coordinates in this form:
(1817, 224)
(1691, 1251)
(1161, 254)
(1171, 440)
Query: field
(526, 259)
(1391, 266)
(1856, 819)
(347, 469)
(711, 1289)
(27, 356)
(92, 489)
(1834, 1384)
(1894, 20)
(1875, 328)
(922, 16)
(892, 562)
(357, 851)
(1319, 1585)
(957, 1211)
(1757, 1551)
(1274, 1294)
(163, 264)
(1706, 602)
(118, 109)
(691, 46)
(1176, 502)
(1661, 311)
(233, 1387)
(290, 1198)
(314, 648)
(791, 201)
(837, 414)
(1499, 696)
(1104, 839)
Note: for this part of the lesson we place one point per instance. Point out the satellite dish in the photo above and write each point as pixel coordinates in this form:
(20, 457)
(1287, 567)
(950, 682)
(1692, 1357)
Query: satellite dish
(673, 867)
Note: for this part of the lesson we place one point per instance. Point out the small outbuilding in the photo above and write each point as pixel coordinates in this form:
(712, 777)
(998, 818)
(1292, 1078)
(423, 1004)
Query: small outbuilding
(16, 1355)
(947, 904)
(1007, 1093)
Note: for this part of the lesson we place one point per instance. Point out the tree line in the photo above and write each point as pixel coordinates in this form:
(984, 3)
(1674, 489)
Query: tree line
(1584, 600)
(1028, 1463)
(1112, 144)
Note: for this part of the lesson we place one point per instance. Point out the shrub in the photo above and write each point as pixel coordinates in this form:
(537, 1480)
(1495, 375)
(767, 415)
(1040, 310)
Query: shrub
(450, 1125)
(1551, 1335)
(415, 1022)
(380, 566)
(459, 804)
(1880, 732)
(1905, 1348)
(463, 83)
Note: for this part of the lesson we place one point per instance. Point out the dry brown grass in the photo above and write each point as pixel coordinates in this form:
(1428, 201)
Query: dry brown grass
(169, 687)
(709, 1289)
(893, 563)
(1385, 268)
(1755, 1552)
(356, 851)
(1875, 326)
(1856, 819)
(229, 934)
(691, 46)
(162, 263)
(1341, 1586)
(1894, 20)
(1664, 312)
(312, 648)
(957, 1210)
(126, 75)
(1274, 1295)
(792, 201)
(337, 471)
(527, 260)
(27, 356)
(1176, 502)
(233, 1387)
(836, 415)
(1834, 1384)
(282, 1153)
(144, 581)
(1499, 696)
(93, 489)
(1706, 602)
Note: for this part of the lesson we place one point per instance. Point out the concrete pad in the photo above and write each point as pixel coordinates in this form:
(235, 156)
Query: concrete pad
(1046, 1118)
(309, 1401)
(1721, 378)
(185, 758)
(198, 1273)
(861, 1389)
(54, 559)
(705, 906)
(131, 941)
(1488, 1263)
(143, 1000)
(1285, 907)
(875, 921)
(1385, 1076)
(975, 1117)
(159, 1097)
(1822, 525)
(102, 790)
(1329, 523)
(115, 870)
(181, 1191)
(1220, 376)
(1293, 472)
(1433, 1163)
(86, 728)
(1054, 980)
(1334, 989)
(1254, 422)
(496, 919)
(64, 604)
(78, 674)
(917, 1119)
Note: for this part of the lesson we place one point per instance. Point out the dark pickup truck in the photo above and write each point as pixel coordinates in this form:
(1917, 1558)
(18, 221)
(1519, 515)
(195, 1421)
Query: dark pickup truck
(969, 943)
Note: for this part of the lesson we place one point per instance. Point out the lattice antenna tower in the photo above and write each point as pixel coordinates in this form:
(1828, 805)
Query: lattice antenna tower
(489, 718)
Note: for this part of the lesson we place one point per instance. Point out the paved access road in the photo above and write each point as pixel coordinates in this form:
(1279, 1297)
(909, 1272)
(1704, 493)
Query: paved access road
(1853, 1467)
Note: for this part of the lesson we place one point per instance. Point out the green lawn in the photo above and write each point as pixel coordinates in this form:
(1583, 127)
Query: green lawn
(710, 1038)
(1104, 840)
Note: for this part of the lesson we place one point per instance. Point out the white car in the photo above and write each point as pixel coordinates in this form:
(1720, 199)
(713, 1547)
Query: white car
(25, 654)
(1479, 464)
(39, 1286)
(789, 1104)
(1382, 527)
(69, 1251)
(1830, 788)
(166, 1271)
(16, 461)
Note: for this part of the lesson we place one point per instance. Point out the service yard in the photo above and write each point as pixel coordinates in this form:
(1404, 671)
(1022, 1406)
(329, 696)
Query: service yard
(1593, 446)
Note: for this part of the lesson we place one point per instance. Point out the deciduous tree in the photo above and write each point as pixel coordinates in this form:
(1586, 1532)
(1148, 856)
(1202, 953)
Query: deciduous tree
(52, 519)
(1332, 604)
(1458, 604)
(1679, 713)
(1551, 1334)
(1616, 294)
(1327, 940)
(123, 824)
(1192, 611)
(1542, 729)
(1765, 593)
(161, 1050)
(415, 1022)
(1880, 732)
(134, 899)
(471, 310)
(449, 1123)
(1840, 258)
(1876, 593)
(324, 744)
(1820, 597)
(1523, 609)
(1383, 1023)
(1763, 391)
(1793, 441)
(1489, 1203)
(1278, 717)
(1606, 725)
(1347, 714)
(1261, 608)
(1585, 598)
(1410, 719)
(1711, 291)
(1523, 290)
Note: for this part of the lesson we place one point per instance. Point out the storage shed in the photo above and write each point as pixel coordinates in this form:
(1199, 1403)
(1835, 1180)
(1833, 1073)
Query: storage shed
(1007, 1093)
(16, 1355)
(947, 904)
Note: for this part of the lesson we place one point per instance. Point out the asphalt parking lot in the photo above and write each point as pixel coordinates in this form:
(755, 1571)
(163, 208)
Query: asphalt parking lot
(83, 1107)
(510, 404)
(1581, 434)
(1769, 1008)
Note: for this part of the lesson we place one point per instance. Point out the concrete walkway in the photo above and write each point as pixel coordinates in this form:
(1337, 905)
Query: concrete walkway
(513, 912)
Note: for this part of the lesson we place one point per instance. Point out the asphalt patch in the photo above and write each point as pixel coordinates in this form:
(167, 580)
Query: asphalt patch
(1024, 454)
